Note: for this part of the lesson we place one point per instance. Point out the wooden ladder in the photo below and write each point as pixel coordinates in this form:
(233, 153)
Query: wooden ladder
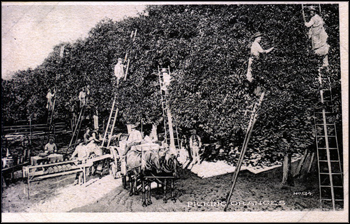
(253, 118)
(77, 127)
(170, 139)
(111, 123)
(329, 162)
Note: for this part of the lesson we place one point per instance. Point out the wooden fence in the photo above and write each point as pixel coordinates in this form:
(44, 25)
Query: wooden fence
(34, 129)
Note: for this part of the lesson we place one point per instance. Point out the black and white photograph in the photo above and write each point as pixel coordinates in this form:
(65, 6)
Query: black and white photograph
(174, 111)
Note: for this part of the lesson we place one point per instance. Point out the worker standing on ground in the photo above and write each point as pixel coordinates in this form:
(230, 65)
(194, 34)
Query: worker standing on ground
(82, 154)
(195, 146)
(255, 51)
(318, 35)
(119, 70)
(87, 136)
(50, 147)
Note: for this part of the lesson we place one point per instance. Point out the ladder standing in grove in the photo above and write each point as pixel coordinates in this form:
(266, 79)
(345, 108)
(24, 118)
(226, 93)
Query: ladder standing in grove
(252, 121)
(77, 127)
(330, 172)
(114, 110)
(303, 9)
(329, 161)
(111, 123)
(167, 117)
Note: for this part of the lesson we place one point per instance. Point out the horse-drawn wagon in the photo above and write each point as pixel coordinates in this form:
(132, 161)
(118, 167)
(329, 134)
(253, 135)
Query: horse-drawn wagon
(145, 163)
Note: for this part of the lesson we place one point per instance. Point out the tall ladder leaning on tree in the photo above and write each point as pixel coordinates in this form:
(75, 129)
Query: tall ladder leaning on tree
(252, 120)
(107, 137)
(330, 172)
(170, 139)
(76, 131)
(50, 120)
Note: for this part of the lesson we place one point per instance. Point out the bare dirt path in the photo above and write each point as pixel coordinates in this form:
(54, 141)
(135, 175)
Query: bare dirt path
(252, 193)
(260, 192)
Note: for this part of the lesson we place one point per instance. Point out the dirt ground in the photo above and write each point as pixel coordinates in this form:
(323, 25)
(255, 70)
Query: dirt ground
(253, 192)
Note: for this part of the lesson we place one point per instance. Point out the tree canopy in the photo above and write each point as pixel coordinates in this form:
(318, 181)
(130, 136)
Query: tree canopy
(206, 49)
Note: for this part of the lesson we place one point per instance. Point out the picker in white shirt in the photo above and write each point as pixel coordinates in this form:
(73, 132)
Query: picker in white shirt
(255, 52)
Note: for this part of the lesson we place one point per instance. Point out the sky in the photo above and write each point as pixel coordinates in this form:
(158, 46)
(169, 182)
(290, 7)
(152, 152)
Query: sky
(29, 31)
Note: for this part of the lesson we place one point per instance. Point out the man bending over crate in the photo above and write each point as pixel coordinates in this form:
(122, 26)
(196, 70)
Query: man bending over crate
(82, 154)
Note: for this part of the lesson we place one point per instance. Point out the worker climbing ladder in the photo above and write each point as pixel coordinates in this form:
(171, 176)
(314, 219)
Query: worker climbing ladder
(77, 127)
(170, 138)
(253, 118)
(107, 137)
(303, 7)
(328, 156)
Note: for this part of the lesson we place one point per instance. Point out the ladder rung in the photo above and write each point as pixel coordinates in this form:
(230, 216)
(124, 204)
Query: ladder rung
(331, 173)
(329, 148)
(331, 186)
(332, 161)
(322, 136)
(324, 199)
(324, 124)
(329, 124)
(327, 112)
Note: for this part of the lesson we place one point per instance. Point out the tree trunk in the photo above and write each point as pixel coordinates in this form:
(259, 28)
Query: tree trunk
(287, 179)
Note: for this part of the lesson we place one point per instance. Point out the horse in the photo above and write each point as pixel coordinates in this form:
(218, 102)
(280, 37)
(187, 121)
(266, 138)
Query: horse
(135, 163)
(169, 165)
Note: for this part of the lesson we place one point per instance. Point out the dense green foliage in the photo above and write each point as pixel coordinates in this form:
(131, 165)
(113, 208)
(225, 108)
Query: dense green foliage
(206, 49)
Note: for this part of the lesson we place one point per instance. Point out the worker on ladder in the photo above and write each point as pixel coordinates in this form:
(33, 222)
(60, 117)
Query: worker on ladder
(119, 70)
(255, 51)
(318, 36)
(82, 97)
(166, 79)
(50, 97)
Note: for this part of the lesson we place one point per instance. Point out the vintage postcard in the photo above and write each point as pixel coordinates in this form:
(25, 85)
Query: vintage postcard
(174, 111)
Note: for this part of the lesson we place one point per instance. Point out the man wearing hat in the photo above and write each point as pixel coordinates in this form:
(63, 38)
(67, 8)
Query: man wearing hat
(318, 35)
(87, 136)
(82, 97)
(50, 147)
(166, 79)
(195, 146)
(255, 52)
(135, 138)
(49, 97)
(119, 70)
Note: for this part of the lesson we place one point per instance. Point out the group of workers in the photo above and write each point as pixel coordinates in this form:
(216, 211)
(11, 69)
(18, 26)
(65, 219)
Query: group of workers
(317, 34)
